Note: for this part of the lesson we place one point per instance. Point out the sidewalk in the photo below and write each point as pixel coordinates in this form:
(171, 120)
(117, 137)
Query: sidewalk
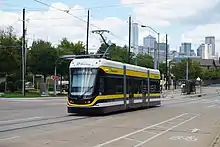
(34, 98)
(176, 94)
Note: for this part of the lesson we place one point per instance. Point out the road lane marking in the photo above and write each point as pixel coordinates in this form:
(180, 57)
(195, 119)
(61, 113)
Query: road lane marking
(140, 130)
(131, 139)
(159, 134)
(210, 106)
(149, 132)
(162, 127)
(17, 120)
(171, 123)
(186, 138)
(8, 138)
(195, 130)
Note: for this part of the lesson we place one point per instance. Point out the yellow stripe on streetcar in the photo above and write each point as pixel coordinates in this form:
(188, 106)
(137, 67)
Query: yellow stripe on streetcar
(115, 96)
(119, 71)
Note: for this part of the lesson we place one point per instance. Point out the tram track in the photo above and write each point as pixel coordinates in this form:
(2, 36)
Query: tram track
(13, 125)
(8, 127)
(22, 120)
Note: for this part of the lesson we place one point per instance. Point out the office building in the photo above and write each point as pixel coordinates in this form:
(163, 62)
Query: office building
(192, 53)
(150, 42)
(185, 48)
(134, 38)
(207, 52)
(201, 50)
(211, 40)
(140, 49)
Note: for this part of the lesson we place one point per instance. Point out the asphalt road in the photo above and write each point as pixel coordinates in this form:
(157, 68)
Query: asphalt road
(191, 122)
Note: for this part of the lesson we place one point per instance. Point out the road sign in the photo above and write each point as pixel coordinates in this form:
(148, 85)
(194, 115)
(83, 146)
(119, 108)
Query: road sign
(54, 77)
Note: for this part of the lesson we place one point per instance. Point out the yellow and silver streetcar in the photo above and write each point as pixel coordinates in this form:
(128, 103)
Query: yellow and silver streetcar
(102, 86)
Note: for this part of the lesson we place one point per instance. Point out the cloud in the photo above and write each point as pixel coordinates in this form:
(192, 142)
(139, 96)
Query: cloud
(197, 35)
(53, 24)
(163, 12)
(208, 16)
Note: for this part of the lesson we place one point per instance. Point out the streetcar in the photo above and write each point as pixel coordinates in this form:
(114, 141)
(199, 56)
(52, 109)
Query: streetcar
(99, 85)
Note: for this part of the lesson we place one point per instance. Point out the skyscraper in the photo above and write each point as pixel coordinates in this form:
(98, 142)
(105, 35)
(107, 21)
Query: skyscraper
(208, 51)
(211, 40)
(186, 48)
(149, 42)
(162, 51)
(134, 38)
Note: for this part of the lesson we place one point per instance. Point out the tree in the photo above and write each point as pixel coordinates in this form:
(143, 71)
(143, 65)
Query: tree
(144, 60)
(42, 58)
(10, 58)
(162, 68)
(67, 47)
(71, 48)
(10, 52)
(179, 69)
(208, 74)
(120, 54)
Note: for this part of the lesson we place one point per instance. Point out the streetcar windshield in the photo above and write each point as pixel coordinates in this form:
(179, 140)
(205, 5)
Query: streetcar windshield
(82, 81)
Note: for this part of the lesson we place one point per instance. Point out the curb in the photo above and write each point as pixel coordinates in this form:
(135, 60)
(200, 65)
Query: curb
(198, 95)
(36, 98)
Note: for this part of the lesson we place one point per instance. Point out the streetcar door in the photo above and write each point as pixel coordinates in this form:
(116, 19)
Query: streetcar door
(131, 93)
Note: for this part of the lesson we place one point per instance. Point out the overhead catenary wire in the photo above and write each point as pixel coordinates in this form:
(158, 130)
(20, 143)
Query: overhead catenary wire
(67, 11)
(91, 8)
(85, 21)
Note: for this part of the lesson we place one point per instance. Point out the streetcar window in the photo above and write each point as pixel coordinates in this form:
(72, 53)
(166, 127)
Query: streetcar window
(144, 86)
(155, 86)
(101, 85)
(113, 85)
(82, 81)
(135, 85)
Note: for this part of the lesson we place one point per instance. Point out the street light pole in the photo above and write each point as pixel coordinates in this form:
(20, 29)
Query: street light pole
(129, 42)
(166, 64)
(87, 35)
(156, 57)
(187, 69)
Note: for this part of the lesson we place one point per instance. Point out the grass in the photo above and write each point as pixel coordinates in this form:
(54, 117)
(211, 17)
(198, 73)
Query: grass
(20, 95)
(30, 94)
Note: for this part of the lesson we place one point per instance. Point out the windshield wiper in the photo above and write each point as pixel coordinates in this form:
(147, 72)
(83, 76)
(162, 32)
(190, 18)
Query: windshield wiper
(87, 91)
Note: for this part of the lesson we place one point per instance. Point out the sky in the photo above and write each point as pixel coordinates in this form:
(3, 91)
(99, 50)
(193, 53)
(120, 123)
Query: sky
(182, 20)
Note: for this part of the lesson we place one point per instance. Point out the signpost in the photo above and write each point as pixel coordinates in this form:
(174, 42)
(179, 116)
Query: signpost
(55, 79)
(200, 83)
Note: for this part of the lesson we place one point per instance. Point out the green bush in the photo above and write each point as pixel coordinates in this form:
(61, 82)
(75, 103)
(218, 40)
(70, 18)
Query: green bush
(11, 86)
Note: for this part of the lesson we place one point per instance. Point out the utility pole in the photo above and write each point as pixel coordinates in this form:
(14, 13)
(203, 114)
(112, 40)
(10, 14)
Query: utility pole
(187, 69)
(87, 34)
(23, 55)
(158, 51)
(129, 41)
(166, 64)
